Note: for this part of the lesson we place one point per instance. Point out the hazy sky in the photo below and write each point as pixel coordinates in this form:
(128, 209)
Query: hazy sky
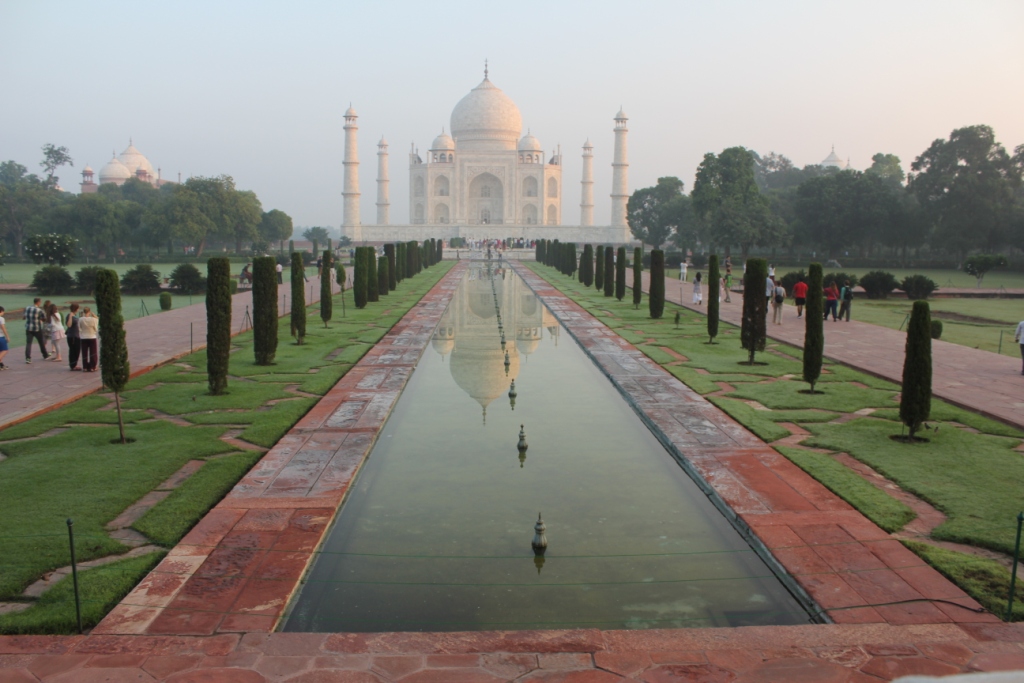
(257, 90)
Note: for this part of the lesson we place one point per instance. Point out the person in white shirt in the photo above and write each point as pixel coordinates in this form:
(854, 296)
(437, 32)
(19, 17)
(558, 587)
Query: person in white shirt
(1018, 335)
(682, 270)
(3, 339)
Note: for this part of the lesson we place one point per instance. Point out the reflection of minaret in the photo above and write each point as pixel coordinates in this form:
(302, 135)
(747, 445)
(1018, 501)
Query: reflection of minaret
(587, 201)
(351, 191)
(383, 204)
(620, 173)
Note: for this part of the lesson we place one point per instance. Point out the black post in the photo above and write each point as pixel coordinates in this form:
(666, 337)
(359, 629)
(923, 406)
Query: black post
(74, 571)
(1013, 572)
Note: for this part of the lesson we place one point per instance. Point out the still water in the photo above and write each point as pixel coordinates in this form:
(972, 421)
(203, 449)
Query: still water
(436, 533)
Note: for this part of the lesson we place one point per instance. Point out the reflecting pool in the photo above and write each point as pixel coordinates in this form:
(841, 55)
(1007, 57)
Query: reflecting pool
(436, 532)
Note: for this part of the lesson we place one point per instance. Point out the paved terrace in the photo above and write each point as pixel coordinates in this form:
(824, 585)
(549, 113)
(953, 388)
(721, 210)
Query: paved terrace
(205, 613)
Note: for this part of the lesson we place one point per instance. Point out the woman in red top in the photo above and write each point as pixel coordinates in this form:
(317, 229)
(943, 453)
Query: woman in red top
(831, 299)
(800, 296)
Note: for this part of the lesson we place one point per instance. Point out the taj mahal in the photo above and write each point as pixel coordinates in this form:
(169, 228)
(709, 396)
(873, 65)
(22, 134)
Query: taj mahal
(484, 179)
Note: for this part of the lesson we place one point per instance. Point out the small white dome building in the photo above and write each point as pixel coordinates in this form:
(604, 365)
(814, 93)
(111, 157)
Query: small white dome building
(131, 163)
(114, 171)
(833, 161)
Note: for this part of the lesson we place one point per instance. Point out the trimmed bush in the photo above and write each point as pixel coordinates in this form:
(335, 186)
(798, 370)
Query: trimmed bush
(389, 253)
(916, 397)
(609, 271)
(878, 284)
(218, 324)
(233, 286)
(936, 329)
(141, 279)
(326, 294)
(656, 297)
(360, 278)
(714, 304)
(187, 279)
(165, 301)
(114, 365)
(52, 281)
(382, 276)
(439, 248)
(372, 281)
(620, 273)
(599, 269)
(753, 331)
(814, 326)
(638, 269)
(342, 276)
(298, 319)
(85, 279)
(918, 287)
(264, 309)
(587, 266)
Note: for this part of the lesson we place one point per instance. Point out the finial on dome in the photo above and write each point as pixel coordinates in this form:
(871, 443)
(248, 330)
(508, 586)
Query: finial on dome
(485, 69)
(130, 143)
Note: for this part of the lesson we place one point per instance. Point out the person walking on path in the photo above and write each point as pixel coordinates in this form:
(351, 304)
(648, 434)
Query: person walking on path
(778, 296)
(55, 327)
(1019, 336)
(723, 291)
(4, 347)
(831, 296)
(35, 319)
(769, 290)
(682, 270)
(88, 331)
(74, 341)
(800, 296)
(280, 273)
(771, 271)
(847, 300)
(728, 281)
(698, 296)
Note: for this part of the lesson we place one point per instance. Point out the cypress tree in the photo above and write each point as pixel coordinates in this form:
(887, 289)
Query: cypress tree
(620, 273)
(399, 262)
(341, 283)
(372, 282)
(538, 251)
(326, 295)
(814, 333)
(440, 250)
(264, 309)
(916, 397)
(638, 269)
(572, 259)
(410, 259)
(218, 323)
(389, 253)
(114, 365)
(359, 278)
(656, 297)
(587, 266)
(298, 298)
(382, 275)
(599, 269)
(753, 331)
(714, 287)
(609, 271)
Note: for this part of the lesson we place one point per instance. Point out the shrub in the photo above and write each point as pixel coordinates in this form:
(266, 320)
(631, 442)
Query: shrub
(114, 365)
(141, 279)
(298, 317)
(218, 324)
(620, 272)
(878, 284)
(599, 269)
(52, 280)
(264, 309)
(916, 397)
(85, 279)
(326, 298)
(814, 333)
(753, 332)
(51, 249)
(656, 296)
(609, 271)
(165, 301)
(638, 269)
(918, 287)
(187, 279)
(714, 286)
(233, 287)
(936, 329)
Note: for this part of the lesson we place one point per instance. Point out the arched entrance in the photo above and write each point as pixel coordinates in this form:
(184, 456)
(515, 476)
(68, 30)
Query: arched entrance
(486, 200)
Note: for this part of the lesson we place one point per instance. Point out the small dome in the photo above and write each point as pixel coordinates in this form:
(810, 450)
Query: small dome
(383, 142)
(443, 142)
(530, 144)
(114, 172)
(587, 145)
(486, 113)
(350, 112)
(833, 160)
(621, 114)
(87, 169)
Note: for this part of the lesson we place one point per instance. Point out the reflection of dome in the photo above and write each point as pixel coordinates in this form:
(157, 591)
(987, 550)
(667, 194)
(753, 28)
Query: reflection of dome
(114, 172)
(133, 161)
(486, 113)
(478, 367)
(443, 142)
(529, 144)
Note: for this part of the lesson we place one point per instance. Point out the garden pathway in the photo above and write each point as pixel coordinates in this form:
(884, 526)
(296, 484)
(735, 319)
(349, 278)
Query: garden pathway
(985, 382)
(27, 390)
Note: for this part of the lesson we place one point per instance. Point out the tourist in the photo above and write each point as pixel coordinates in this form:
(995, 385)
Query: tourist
(778, 296)
(697, 295)
(831, 297)
(35, 318)
(280, 273)
(55, 328)
(1019, 336)
(682, 270)
(723, 293)
(728, 281)
(800, 295)
(3, 339)
(769, 289)
(847, 300)
(74, 341)
(88, 328)
(771, 271)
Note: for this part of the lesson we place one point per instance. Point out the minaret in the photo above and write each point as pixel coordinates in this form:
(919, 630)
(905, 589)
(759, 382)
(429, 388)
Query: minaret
(383, 204)
(351, 191)
(620, 173)
(587, 200)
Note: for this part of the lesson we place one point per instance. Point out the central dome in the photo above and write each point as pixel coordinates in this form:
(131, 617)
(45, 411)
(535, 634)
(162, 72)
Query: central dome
(487, 114)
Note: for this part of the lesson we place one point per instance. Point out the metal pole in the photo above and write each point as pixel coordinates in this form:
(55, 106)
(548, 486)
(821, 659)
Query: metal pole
(190, 337)
(1013, 572)
(1000, 341)
(74, 572)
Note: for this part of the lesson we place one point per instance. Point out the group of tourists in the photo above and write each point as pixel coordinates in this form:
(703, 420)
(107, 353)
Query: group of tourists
(724, 284)
(45, 325)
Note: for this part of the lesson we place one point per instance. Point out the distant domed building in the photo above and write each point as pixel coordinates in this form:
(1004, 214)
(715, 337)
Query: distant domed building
(833, 161)
(129, 164)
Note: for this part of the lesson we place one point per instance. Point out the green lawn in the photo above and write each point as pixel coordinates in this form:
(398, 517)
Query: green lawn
(78, 473)
(974, 478)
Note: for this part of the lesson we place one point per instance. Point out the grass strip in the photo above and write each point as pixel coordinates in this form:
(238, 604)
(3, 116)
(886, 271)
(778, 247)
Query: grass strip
(751, 418)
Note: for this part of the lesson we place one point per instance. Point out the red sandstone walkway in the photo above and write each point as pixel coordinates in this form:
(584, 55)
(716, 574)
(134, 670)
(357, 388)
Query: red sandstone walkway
(982, 381)
(27, 390)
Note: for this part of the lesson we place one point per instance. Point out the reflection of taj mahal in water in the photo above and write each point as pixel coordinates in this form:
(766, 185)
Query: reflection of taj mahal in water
(485, 182)
(468, 332)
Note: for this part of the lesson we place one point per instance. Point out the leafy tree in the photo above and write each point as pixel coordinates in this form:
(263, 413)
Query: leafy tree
(979, 264)
(98, 222)
(53, 158)
(243, 216)
(726, 197)
(887, 167)
(317, 235)
(24, 203)
(361, 277)
(713, 298)
(275, 226)
(298, 318)
(620, 272)
(52, 281)
(389, 252)
(814, 332)
(218, 324)
(141, 279)
(753, 332)
(326, 296)
(599, 269)
(647, 214)
(264, 309)
(916, 397)
(187, 279)
(638, 269)
(656, 292)
(52, 248)
(180, 215)
(114, 365)
(609, 271)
